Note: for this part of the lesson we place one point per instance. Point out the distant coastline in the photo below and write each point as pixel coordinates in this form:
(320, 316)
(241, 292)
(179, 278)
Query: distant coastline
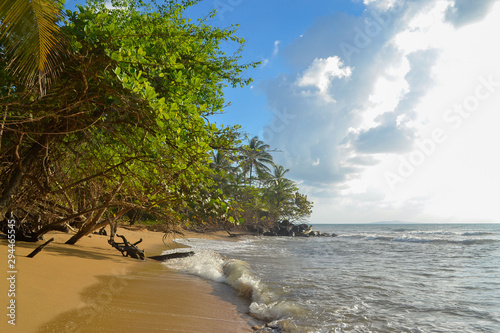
(405, 222)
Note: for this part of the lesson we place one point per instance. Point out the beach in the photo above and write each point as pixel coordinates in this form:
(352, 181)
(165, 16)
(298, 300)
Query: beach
(91, 287)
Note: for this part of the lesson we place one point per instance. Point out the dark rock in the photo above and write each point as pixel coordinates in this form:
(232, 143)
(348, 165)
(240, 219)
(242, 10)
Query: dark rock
(284, 232)
(262, 230)
(287, 229)
(304, 226)
(286, 223)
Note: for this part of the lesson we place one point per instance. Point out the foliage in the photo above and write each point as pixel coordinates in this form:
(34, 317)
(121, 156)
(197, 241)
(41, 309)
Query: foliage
(274, 198)
(32, 39)
(125, 128)
(126, 125)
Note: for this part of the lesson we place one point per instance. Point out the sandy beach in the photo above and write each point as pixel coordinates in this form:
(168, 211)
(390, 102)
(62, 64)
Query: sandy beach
(90, 287)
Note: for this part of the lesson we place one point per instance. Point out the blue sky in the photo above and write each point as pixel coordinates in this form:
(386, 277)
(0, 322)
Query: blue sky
(381, 109)
(267, 27)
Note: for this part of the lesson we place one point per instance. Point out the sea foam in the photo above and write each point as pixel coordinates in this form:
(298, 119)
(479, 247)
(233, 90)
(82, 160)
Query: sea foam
(239, 275)
(207, 264)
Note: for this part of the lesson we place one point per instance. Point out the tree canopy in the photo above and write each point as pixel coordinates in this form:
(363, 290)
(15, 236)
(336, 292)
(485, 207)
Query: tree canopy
(126, 123)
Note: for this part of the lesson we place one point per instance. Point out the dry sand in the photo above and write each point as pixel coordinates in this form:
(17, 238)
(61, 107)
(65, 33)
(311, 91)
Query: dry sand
(90, 287)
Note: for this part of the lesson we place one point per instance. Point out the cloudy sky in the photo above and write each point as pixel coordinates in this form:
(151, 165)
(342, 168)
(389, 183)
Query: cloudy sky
(381, 109)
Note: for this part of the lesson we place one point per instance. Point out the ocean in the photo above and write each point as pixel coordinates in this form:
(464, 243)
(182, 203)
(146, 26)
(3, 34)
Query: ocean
(370, 278)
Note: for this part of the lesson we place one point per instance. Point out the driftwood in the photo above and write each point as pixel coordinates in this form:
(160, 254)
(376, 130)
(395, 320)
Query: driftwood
(40, 248)
(176, 255)
(128, 249)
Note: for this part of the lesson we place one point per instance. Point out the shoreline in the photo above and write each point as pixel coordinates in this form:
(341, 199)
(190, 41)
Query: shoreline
(90, 287)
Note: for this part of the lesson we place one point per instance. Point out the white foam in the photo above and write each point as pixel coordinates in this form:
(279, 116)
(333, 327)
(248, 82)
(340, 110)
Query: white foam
(239, 275)
(274, 310)
(205, 263)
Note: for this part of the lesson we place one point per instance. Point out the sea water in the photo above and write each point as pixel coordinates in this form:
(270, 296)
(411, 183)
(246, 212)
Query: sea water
(370, 278)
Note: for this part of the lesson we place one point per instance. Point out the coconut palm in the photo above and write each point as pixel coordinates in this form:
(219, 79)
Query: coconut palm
(220, 161)
(255, 156)
(278, 176)
(280, 193)
(223, 171)
(279, 187)
(31, 39)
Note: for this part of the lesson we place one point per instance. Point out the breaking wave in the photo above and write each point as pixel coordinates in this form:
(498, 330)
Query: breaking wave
(238, 274)
(437, 237)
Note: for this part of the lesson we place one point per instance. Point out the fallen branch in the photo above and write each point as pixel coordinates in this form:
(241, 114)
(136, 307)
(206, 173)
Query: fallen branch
(175, 255)
(40, 248)
(128, 249)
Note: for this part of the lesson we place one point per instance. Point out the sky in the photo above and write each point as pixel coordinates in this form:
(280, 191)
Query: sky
(381, 109)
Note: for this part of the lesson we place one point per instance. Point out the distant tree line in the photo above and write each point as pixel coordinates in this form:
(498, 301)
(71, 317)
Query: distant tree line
(105, 114)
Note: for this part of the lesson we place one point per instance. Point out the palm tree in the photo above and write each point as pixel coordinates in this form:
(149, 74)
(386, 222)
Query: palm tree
(256, 156)
(32, 40)
(280, 193)
(223, 171)
(220, 161)
(278, 176)
(280, 187)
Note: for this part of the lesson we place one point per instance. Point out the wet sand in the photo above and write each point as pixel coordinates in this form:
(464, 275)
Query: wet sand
(90, 287)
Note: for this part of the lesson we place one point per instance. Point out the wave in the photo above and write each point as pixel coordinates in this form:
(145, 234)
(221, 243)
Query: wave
(445, 241)
(451, 233)
(444, 237)
(238, 274)
(379, 238)
(207, 265)
(477, 233)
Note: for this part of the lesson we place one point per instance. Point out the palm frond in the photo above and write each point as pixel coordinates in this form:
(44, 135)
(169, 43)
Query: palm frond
(32, 39)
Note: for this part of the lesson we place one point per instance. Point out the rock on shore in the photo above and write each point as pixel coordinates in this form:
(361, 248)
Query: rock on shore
(286, 228)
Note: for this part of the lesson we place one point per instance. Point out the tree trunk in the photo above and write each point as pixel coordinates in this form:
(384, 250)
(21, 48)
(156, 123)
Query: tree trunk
(113, 222)
(88, 227)
(17, 176)
(94, 224)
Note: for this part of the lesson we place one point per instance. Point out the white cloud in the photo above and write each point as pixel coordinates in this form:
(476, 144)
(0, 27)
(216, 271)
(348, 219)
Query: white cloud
(276, 48)
(321, 73)
(381, 4)
(421, 65)
(426, 30)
